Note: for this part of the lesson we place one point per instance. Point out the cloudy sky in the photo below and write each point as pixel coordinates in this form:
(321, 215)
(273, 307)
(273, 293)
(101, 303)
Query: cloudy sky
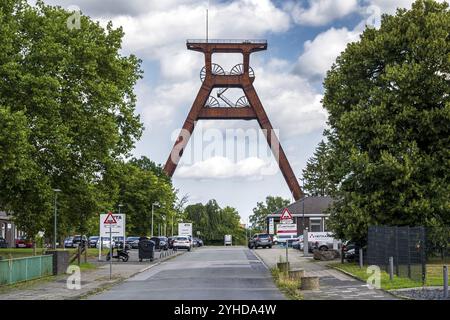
(304, 37)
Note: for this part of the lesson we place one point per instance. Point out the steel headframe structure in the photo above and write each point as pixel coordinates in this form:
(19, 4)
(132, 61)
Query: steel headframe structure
(248, 107)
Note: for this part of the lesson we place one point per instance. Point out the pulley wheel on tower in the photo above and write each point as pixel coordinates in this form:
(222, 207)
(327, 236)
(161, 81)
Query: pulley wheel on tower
(216, 70)
(238, 70)
(212, 103)
(242, 102)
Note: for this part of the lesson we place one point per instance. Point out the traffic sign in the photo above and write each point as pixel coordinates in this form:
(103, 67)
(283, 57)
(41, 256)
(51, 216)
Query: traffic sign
(286, 216)
(110, 219)
(117, 229)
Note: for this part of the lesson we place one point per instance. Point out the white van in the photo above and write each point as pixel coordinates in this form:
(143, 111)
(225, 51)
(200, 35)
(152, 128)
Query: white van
(228, 240)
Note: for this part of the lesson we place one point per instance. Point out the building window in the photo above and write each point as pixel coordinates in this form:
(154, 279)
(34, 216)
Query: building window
(325, 225)
(316, 225)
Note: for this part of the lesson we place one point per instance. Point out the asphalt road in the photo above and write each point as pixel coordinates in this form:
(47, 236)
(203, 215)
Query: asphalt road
(209, 273)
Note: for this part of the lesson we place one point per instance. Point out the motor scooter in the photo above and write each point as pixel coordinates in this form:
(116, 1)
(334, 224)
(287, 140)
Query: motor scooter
(122, 254)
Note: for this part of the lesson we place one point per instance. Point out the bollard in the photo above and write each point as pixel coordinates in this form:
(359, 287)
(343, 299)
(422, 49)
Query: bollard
(305, 242)
(445, 282)
(391, 268)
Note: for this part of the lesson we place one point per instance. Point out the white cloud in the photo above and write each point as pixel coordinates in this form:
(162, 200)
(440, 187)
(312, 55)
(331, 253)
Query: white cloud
(293, 106)
(389, 6)
(320, 53)
(223, 168)
(320, 12)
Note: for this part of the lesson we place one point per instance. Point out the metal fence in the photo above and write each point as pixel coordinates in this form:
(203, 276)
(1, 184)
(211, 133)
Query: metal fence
(24, 269)
(406, 245)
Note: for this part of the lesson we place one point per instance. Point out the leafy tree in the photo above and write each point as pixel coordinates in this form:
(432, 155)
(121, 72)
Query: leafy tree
(215, 222)
(317, 180)
(70, 95)
(139, 187)
(389, 108)
(273, 204)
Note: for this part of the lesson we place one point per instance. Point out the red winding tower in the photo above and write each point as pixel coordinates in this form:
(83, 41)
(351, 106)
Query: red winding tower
(248, 107)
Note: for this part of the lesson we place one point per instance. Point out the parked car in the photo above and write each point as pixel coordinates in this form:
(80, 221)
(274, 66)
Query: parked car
(274, 238)
(105, 243)
(182, 242)
(170, 242)
(93, 241)
(161, 243)
(23, 242)
(3, 243)
(282, 239)
(198, 242)
(79, 240)
(118, 243)
(68, 242)
(263, 240)
(133, 242)
(296, 244)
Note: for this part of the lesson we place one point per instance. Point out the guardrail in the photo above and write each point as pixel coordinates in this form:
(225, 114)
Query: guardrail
(25, 269)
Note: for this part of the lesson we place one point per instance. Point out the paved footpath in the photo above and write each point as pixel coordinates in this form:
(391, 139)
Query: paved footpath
(334, 285)
(92, 281)
(208, 273)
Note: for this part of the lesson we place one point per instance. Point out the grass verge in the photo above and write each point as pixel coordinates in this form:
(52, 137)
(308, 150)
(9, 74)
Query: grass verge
(12, 253)
(290, 288)
(434, 276)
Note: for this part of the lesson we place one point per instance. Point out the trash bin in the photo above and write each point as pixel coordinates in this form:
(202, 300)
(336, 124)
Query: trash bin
(146, 249)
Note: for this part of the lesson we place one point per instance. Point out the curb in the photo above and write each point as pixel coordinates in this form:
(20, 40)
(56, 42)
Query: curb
(260, 259)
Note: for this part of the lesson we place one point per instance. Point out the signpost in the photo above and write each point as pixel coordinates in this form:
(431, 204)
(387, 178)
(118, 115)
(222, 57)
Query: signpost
(287, 227)
(110, 220)
(111, 225)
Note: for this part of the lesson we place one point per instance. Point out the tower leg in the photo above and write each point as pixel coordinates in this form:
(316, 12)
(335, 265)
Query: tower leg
(273, 142)
(186, 131)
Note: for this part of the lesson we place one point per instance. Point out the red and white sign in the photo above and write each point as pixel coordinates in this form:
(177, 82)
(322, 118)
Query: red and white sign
(287, 229)
(110, 219)
(286, 216)
(114, 223)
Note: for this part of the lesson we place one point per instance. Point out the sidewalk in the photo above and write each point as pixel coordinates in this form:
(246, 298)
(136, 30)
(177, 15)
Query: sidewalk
(92, 281)
(334, 285)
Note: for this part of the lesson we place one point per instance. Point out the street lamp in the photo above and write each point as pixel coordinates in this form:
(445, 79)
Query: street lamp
(54, 218)
(153, 205)
(120, 206)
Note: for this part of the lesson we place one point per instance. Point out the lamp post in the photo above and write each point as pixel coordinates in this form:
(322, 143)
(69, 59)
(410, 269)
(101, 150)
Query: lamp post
(120, 206)
(54, 218)
(153, 209)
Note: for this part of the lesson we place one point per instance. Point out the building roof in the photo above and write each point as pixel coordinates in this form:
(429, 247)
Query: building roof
(313, 206)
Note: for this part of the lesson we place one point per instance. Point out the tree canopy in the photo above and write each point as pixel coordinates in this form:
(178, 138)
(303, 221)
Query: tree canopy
(316, 176)
(388, 101)
(67, 113)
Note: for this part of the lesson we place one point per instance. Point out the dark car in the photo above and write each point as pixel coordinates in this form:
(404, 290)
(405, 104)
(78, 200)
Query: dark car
(263, 240)
(198, 242)
(79, 241)
(161, 243)
(133, 242)
(170, 242)
(118, 243)
(93, 241)
(3, 243)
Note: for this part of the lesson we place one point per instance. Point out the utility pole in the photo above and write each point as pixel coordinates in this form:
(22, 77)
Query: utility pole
(153, 205)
